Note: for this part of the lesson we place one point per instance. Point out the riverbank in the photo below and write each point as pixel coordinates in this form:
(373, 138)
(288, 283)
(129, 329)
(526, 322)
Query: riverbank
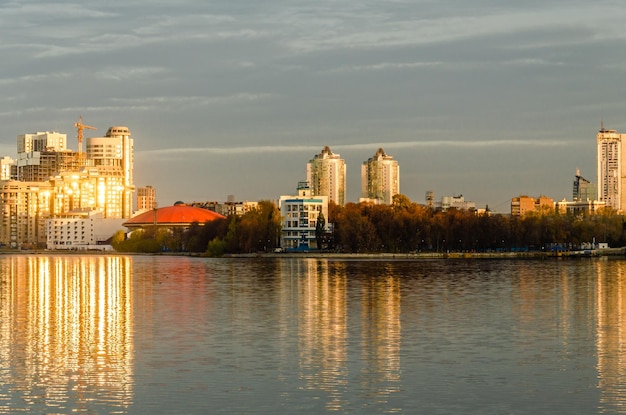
(360, 256)
(441, 255)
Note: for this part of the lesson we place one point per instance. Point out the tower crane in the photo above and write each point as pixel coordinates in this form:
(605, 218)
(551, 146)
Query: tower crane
(79, 130)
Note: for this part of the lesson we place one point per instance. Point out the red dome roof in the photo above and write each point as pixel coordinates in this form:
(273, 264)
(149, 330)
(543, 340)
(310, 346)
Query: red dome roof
(178, 215)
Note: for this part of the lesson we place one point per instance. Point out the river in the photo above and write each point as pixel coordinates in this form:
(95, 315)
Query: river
(115, 334)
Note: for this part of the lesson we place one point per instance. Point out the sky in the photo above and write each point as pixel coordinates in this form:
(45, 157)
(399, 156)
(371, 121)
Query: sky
(489, 99)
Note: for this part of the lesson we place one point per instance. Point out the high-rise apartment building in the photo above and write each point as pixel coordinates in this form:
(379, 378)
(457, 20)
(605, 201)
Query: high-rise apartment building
(113, 156)
(611, 172)
(146, 198)
(380, 178)
(24, 207)
(326, 175)
(41, 141)
(44, 154)
(53, 181)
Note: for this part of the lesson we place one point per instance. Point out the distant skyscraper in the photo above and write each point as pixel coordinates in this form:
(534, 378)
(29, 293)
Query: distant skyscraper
(326, 175)
(380, 178)
(146, 198)
(611, 173)
(583, 189)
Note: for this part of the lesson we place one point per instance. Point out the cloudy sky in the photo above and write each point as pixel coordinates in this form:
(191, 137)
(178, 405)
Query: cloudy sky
(485, 98)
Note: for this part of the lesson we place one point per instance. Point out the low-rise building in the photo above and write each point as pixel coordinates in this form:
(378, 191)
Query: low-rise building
(228, 208)
(299, 215)
(522, 205)
(81, 230)
(580, 207)
(454, 202)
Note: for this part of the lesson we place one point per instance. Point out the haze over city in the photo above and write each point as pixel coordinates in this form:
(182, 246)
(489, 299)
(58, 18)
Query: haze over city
(489, 99)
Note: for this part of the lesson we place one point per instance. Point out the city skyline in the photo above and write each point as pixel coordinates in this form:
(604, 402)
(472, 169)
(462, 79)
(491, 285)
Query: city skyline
(489, 100)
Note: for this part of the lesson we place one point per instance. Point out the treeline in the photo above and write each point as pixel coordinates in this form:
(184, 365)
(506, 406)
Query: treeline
(403, 226)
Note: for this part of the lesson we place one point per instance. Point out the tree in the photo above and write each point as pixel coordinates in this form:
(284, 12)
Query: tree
(320, 229)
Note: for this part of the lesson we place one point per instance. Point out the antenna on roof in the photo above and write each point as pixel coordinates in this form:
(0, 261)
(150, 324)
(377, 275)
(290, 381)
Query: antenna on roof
(602, 125)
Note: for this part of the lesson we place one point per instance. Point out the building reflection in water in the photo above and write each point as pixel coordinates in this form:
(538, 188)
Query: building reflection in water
(323, 331)
(65, 332)
(380, 310)
(327, 336)
(611, 335)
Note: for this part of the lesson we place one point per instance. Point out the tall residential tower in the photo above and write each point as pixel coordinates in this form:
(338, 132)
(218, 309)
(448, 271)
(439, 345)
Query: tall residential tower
(380, 178)
(611, 172)
(326, 174)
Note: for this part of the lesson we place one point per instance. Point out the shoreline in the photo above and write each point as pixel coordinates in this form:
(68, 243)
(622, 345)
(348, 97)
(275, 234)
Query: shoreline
(441, 255)
(596, 253)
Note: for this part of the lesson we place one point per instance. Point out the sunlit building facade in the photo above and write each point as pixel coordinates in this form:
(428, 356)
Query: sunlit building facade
(7, 167)
(53, 181)
(41, 141)
(523, 205)
(326, 174)
(81, 230)
(44, 154)
(146, 198)
(611, 172)
(24, 207)
(99, 188)
(113, 155)
(380, 178)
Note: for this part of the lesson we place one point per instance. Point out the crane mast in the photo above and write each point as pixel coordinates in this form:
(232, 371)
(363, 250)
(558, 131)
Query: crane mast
(79, 132)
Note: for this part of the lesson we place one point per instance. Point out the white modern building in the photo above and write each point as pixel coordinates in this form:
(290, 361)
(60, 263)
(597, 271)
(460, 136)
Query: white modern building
(380, 178)
(41, 141)
(579, 207)
(7, 165)
(81, 230)
(611, 173)
(454, 202)
(326, 175)
(299, 218)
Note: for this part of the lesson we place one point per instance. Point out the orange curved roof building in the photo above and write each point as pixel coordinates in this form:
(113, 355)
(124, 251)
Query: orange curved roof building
(179, 215)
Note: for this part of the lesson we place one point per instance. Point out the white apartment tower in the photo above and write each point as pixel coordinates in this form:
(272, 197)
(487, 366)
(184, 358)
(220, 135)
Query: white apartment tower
(611, 172)
(326, 175)
(380, 178)
(41, 141)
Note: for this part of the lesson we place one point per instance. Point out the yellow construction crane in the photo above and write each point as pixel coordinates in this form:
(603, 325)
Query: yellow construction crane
(79, 130)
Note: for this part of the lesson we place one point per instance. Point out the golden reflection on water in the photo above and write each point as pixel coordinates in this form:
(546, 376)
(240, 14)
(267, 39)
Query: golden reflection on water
(611, 335)
(324, 336)
(65, 332)
(323, 331)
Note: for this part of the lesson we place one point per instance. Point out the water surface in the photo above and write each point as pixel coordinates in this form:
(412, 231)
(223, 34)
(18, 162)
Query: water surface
(180, 335)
